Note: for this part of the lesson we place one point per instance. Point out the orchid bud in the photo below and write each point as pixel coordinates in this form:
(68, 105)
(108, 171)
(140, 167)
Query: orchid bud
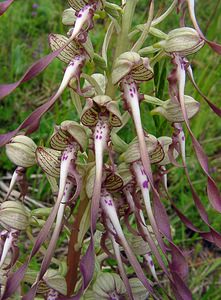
(154, 149)
(131, 63)
(13, 214)
(55, 281)
(172, 111)
(125, 173)
(138, 245)
(138, 290)
(68, 17)
(108, 286)
(101, 82)
(183, 41)
(49, 160)
(21, 151)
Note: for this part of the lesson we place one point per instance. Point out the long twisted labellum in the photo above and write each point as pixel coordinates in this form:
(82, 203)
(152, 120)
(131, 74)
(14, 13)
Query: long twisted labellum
(212, 190)
(123, 274)
(15, 279)
(108, 207)
(31, 123)
(50, 250)
(139, 215)
(4, 6)
(144, 185)
(216, 47)
(131, 96)
(216, 109)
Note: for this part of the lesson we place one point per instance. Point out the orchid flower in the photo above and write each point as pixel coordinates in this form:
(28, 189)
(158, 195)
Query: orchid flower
(130, 69)
(100, 113)
(107, 205)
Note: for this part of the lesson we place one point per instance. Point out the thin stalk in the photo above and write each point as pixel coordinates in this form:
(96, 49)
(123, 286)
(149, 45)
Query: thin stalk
(139, 43)
(164, 15)
(122, 40)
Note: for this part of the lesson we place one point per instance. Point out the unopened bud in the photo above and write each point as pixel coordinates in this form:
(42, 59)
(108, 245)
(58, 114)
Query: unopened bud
(154, 149)
(109, 286)
(183, 41)
(49, 160)
(172, 111)
(55, 281)
(68, 17)
(130, 63)
(21, 151)
(138, 290)
(13, 214)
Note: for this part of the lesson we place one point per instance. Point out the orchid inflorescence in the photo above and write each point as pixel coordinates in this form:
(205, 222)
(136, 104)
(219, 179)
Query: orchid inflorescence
(107, 193)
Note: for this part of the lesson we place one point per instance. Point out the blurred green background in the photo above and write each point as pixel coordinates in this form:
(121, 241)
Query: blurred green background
(24, 33)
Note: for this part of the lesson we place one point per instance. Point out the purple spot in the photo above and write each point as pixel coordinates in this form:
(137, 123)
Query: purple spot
(96, 137)
(132, 95)
(97, 131)
(100, 137)
(131, 90)
(134, 90)
(151, 263)
(145, 184)
(183, 138)
(80, 15)
(35, 6)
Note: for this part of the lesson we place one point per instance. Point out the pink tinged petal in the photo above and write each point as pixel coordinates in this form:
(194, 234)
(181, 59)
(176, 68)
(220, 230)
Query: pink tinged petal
(100, 145)
(164, 177)
(145, 231)
(13, 182)
(68, 156)
(52, 295)
(6, 248)
(85, 15)
(4, 6)
(133, 103)
(181, 140)
(142, 181)
(151, 265)
(111, 213)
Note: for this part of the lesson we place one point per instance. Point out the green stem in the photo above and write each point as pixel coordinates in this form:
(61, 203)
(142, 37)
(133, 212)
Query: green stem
(146, 30)
(123, 39)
